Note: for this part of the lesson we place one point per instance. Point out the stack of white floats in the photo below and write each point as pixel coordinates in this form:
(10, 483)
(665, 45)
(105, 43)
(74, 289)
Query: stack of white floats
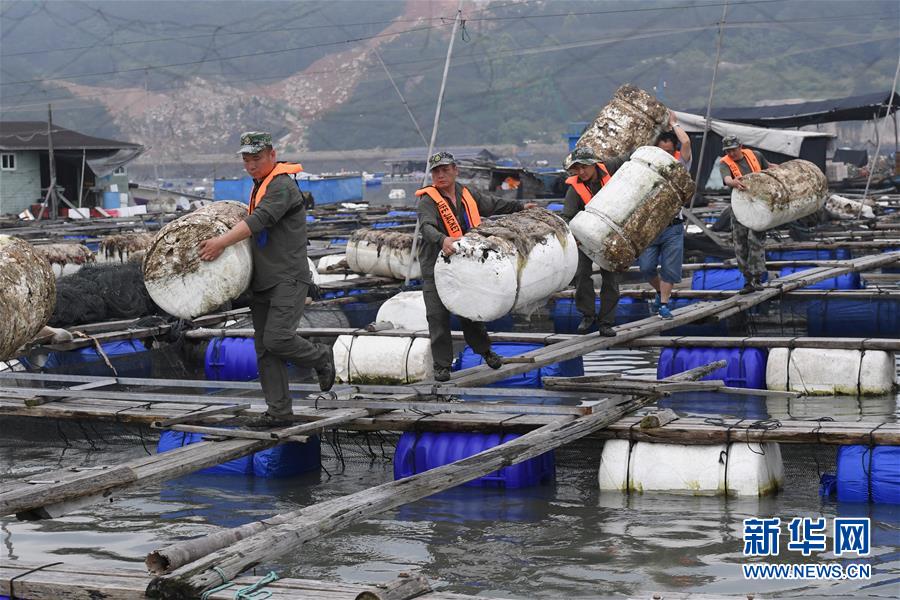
(815, 371)
(384, 253)
(637, 204)
(405, 310)
(180, 282)
(736, 469)
(382, 360)
(780, 195)
(324, 275)
(27, 294)
(633, 118)
(512, 262)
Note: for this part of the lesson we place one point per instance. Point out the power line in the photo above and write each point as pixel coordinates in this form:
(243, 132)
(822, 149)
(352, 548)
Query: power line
(226, 58)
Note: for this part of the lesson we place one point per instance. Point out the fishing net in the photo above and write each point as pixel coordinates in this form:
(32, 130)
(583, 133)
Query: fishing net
(102, 292)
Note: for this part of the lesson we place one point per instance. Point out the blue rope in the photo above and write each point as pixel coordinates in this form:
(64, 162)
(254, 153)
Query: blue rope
(225, 585)
(253, 592)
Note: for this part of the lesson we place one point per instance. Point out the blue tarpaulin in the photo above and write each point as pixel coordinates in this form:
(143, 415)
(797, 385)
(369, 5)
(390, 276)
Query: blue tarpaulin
(328, 190)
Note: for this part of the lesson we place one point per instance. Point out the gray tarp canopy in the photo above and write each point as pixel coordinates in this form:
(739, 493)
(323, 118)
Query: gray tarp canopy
(106, 163)
(782, 141)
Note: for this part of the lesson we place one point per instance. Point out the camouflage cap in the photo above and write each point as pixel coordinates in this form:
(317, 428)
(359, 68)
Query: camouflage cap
(730, 141)
(441, 158)
(581, 155)
(255, 141)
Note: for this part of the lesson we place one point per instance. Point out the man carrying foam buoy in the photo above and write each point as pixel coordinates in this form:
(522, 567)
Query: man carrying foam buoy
(588, 175)
(447, 210)
(667, 251)
(281, 278)
(749, 245)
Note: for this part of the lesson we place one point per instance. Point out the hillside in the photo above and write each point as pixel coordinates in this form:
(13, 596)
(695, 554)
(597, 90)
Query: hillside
(188, 83)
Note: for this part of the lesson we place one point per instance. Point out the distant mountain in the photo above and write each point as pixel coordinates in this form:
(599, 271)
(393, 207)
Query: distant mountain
(187, 81)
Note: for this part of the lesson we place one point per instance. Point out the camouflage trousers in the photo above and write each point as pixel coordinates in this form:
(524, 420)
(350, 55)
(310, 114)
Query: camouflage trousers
(749, 249)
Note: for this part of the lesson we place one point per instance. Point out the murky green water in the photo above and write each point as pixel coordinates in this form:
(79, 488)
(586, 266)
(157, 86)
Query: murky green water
(555, 541)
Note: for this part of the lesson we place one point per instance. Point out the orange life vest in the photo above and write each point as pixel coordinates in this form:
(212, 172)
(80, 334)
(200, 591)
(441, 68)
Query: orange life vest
(282, 168)
(751, 160)
(451, 223)
(677, 155)
(583, 192)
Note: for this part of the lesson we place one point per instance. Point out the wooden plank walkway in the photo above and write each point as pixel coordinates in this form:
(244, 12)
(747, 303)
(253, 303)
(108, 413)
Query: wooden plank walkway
(411, 415)
(76, 582)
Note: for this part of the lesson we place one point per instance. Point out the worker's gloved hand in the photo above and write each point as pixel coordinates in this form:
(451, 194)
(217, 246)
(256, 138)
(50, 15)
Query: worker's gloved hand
(447, 247)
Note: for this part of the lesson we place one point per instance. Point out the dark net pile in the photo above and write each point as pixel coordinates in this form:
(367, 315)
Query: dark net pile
(102, 292)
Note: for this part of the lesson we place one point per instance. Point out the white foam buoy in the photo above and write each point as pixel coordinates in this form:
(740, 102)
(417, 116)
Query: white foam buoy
(405, 310)
(736, 469)
(27, 294)
(776, 196)
(382, 360)
(324, 276)
(632, 118)
(634, 207)
(827, 372)
(381, 252)
(511, 262)
(846, 209)
(180, 282)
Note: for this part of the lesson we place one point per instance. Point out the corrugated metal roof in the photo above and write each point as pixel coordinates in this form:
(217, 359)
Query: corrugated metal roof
(32, 135)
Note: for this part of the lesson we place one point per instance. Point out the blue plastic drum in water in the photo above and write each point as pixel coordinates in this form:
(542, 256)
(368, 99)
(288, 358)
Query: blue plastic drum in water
(419, 452)
(573, 367)
(746, 367)
(230, 359)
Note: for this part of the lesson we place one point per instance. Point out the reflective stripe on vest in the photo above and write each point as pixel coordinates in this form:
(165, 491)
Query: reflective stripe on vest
(282, 168)
(751, 160)
(451, 223)
(583, 192)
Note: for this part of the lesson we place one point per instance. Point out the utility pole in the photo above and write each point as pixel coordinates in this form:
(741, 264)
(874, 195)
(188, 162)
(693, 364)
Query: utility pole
(52, 201)
(434, 130)
(712, 89)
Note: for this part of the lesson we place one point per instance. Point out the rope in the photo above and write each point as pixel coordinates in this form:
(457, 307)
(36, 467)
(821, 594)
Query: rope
(225, 585)
(817, 431)
(12, 595)
(99, 349)
(867, 469)
(255, 591)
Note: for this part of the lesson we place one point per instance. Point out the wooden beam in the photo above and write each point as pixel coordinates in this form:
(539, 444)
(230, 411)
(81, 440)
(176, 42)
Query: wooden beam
(268, 542)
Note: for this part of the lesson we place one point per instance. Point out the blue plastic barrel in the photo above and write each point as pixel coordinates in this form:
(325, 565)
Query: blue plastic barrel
(708, 327)
(555, 206)
(284, 460)
(574, 367)
(868, 474)
(718, 279)
(720, 404)
(402, 213)
(566, 316)
(851, 317)
(112, 200)
(847, 281)
(420, 451)
(230, 359)
(360, 314)
(834, 254)
(129, 357)
(746, 367)
(385, 224)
